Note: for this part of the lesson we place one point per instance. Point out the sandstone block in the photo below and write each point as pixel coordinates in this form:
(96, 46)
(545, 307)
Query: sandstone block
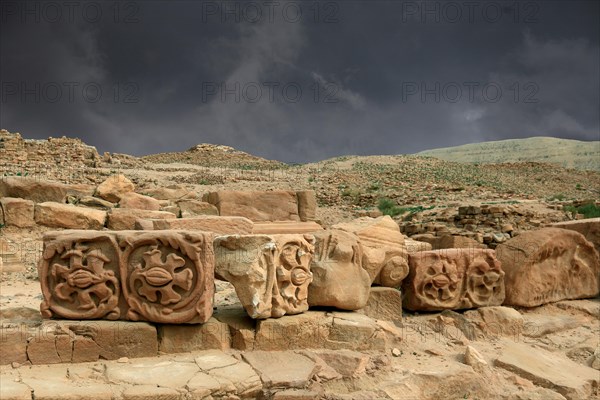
(95, 202)
(114, 187)
(174, 192)
(164, 277)
(270, 274)
(138, 201)
(209, 223)
(13, 344)
(284, 227)
(338, 277)
(458, 242)
(278, 205)
(384, 303)
(41, 191)
(184, 338)
(307, 205)
(384, 254)
(549, 265)
(120, 219)
(58, 215)
(17, 212)
(192, 208)
(415, 246)
(453, 279)
(590, 228)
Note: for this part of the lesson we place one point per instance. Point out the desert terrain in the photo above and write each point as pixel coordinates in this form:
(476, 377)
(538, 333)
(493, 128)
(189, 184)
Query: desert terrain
(546, 352)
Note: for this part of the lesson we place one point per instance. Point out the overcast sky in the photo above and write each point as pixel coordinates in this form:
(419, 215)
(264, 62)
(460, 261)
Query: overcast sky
(299, 81)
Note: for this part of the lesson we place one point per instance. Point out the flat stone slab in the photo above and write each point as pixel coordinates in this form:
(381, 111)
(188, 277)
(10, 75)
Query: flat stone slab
(552, 371)
(169, 374)
(282, 369)
(540, 325)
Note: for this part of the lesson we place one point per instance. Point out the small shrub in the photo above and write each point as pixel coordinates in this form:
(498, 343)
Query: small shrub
(389, 207)
(588, 210)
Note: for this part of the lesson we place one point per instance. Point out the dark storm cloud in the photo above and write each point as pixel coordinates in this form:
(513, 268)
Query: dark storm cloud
(353, 77)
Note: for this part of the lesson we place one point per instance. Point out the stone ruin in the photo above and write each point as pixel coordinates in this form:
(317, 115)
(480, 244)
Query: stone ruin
(148, 269)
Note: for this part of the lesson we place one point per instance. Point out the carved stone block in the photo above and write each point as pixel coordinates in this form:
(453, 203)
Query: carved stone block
(270, 274)
(548, 265)
(384, 253)
(164, 277)
(453, 279)
(338, 277)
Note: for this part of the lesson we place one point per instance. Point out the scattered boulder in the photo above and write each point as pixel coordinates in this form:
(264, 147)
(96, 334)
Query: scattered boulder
(192, 208)
(338, 278)
(549, 265)
(138, 201)
(57, 215)
(113, 188)
(473, 358)
(120, 219)
(17, 212)
(95, 202)
(41, 191)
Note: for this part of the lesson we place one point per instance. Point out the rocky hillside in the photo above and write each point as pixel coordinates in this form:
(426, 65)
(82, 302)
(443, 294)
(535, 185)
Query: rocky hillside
(214, 156)
(564, 152)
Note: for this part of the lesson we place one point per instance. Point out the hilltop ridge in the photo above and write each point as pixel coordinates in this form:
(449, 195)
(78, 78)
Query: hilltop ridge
(564, 152)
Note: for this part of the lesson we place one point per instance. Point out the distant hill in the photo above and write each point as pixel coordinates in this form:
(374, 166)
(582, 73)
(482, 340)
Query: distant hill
(213, 155)
(564, 152)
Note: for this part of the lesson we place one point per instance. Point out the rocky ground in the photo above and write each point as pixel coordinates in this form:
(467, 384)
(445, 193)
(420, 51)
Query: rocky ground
(548, 352)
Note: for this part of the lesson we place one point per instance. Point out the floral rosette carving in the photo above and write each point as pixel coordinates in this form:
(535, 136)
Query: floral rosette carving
(292, 269)
(441, 284)
(166, 277)
(79, 279)
(485, 283)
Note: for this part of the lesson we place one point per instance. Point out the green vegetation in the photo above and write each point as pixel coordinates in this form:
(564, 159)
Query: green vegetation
(588, 210)
(559, 197)
(389, 207)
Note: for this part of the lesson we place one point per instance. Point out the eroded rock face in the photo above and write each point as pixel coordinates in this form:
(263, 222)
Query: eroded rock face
(384, 254)
(270, 274)
(17, 212)
(548, 265)
(452, 279)
(165, 277)
(338, 278)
